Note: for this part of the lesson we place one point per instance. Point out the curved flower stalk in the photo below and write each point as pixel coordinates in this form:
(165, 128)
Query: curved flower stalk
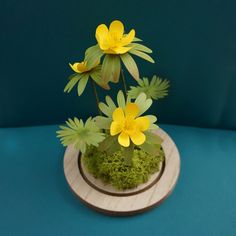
(80, 134)
(82, 75)
(126, 127)
(116, 46)
(157, 88)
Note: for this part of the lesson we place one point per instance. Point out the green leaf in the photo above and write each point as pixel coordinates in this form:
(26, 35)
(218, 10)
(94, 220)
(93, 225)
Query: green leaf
(152, 118)
(109, 144)
(143, 103)
(110, 103)
(142, 55)
(157, 88)
(80, 135)
(128, 154)
(153, 127)
(140, 47)
(72, 82)
(111, 68)
(152, 149)
(82, 84)
(130, 65)
(105, 109)
(93, 55)
(98, 80)
(153, 138)
(103, 122)
(137, 39)
(121, 99)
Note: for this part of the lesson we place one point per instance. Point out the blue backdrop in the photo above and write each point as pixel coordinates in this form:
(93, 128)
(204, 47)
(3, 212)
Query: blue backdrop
(193, 43)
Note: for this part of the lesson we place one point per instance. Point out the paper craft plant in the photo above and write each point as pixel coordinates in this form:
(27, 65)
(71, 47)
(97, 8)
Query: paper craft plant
(121, 126)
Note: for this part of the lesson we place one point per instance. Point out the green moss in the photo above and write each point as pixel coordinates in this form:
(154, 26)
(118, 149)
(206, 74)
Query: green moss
(112, 169)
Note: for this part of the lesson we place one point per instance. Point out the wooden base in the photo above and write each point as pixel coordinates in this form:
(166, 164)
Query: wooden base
(107, 199)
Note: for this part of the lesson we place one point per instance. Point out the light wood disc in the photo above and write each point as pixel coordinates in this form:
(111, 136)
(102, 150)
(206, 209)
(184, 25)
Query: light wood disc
(107, 199)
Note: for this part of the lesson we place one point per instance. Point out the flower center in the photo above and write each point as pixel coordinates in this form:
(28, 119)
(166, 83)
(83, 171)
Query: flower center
(129, 126)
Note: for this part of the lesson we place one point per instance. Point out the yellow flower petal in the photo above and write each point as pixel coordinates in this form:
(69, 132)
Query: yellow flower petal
(102, 36)
(118, 115)
(115, 128)
(131, 110)
(82, 67)
(121, 50)
(116, 29)
(74, 67)
(123, 139)
(128, 38)
(138, 138)
(143, 123)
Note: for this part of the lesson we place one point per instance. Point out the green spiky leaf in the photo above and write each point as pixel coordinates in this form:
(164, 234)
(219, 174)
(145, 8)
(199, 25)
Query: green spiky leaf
(157, 88)
(80, 134)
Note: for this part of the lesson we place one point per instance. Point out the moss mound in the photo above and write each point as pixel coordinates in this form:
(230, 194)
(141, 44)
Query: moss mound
(112, 169)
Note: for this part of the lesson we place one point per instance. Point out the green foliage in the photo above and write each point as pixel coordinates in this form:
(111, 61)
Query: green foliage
(111, 68)
(157, 88)
(82, 83)
(111, 64)
(108, 107)
(152, 144)
(121, 99)
(80, 135)
(130, 65)
(82, 80)
(109, 145)
(73, 79)
(112, 169)
(93, 55)
(143, 103)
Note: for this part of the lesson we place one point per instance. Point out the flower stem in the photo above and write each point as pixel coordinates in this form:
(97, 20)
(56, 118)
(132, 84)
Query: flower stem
(124, 82)
(128, 154)
(96, 95)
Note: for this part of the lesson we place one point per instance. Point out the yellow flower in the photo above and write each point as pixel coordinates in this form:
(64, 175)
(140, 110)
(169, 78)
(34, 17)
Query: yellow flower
(81, 67)
(113, 41)
(128, 126)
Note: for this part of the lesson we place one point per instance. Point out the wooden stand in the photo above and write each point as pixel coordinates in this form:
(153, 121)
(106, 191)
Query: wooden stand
(104, 198)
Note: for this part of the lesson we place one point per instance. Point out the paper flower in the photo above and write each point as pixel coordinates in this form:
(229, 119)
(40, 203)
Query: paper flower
(80, 135)
(157, 88)
(82, 75)
(80, 67)
(117, 46)
(113, 40)
(128, 125)
(109, 107)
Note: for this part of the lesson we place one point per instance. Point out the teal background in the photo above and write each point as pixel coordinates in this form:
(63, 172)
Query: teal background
(193, 43)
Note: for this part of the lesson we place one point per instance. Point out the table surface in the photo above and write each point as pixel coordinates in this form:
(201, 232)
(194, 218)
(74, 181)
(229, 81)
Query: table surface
(35, 198)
